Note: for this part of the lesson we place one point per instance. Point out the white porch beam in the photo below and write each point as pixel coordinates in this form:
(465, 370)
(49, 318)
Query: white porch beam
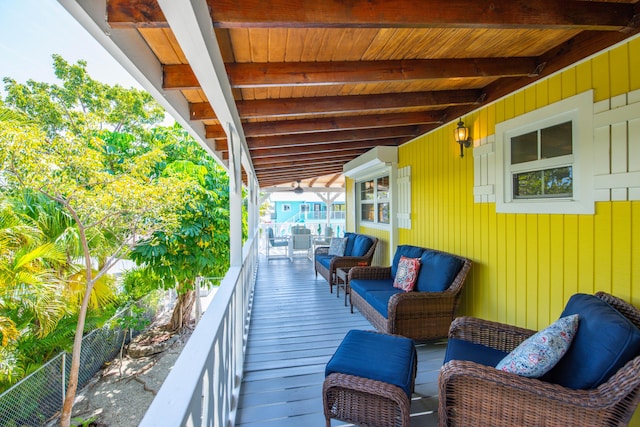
(191, 24)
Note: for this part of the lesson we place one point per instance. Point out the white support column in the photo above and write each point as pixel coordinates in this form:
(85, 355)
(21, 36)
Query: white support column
(253, 206)
(235, 198)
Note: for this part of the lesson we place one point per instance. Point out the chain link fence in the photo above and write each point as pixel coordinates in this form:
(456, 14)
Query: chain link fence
(38, 397)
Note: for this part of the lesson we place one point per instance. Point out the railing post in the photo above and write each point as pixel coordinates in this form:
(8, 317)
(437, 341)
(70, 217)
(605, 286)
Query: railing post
(198, 302)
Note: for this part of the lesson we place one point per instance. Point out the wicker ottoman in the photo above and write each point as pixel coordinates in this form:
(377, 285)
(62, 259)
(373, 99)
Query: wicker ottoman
(369, 380)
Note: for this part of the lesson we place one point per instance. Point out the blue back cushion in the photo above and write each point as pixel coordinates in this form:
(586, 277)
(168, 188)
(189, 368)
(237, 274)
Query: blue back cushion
(437, 271)
(404, 250)
(361, 245)
(458, 349)
(351, 238)
(605, 342)
(380, 357)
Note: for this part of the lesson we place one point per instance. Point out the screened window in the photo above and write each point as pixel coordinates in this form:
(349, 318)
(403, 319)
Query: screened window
(542, 163)
(544, 159)
(374, 200)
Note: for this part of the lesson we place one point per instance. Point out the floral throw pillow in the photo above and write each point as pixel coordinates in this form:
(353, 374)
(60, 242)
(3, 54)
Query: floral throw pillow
(407, 273)
(540, 352)
(337, 246)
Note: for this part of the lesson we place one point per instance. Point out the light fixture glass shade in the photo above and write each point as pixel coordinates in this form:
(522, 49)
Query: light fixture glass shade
(461, 133)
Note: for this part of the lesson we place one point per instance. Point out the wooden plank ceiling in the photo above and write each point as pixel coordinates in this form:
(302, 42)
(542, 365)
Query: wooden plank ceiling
(318, 83)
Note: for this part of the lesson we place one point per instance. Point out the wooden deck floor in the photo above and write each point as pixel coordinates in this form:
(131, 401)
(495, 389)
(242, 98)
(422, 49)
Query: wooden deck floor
(296, 325)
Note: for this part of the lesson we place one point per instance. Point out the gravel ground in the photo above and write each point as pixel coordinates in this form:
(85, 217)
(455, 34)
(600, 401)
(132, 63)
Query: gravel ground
(119, 395)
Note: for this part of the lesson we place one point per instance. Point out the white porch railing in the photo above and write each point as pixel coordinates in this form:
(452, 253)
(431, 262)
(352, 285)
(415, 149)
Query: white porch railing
(203, 387)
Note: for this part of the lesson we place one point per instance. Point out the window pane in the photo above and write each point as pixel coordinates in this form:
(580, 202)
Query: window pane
(383, 213)
(524, 148)
(366, 190)
(559, 182)
(556, 182)
(383, 187)
(556, 140)
(367, 213)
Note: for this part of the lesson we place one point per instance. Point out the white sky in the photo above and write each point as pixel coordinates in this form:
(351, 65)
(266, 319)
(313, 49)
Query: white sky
(33, 30)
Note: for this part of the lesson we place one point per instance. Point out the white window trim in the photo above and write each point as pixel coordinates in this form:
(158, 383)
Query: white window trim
(578, 109)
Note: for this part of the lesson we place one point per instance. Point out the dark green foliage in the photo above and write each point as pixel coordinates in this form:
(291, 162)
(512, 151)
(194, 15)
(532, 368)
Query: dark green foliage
(200, 247)
(139, 282)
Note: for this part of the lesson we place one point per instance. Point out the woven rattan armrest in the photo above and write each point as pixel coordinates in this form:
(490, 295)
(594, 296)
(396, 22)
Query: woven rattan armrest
(370, 273)
(544, 403)
(492, 334)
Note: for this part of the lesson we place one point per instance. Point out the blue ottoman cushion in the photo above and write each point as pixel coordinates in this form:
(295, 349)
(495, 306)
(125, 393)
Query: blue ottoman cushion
(380, 357)
(604, 343)
(458, 349)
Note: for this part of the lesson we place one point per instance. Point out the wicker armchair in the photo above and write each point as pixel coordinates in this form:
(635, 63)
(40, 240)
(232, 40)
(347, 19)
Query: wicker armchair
(345, 261)
(473, 395)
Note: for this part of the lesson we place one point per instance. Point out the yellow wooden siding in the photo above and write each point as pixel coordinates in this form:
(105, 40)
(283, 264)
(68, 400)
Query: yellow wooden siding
(526, 266)
(381, 255)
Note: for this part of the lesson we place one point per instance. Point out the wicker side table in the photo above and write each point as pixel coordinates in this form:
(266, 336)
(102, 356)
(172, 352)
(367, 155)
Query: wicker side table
(368, 398)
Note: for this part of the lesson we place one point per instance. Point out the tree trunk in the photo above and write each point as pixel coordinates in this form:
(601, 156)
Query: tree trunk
(182, 311)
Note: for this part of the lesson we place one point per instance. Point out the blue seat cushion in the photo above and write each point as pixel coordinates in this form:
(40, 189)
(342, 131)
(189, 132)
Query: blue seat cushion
(604, 343)
(361, 245)
(437, 271)
(379, 357)
(379, 300)
(324, 260)
(351, 238)
(362, 286)
(404, 250)
(458, 349)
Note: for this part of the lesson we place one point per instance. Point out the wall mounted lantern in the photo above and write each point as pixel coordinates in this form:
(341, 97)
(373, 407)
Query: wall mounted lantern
(461, 134)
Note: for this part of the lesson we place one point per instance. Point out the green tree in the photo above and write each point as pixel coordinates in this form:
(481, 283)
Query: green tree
(65, 155)
(200, 245)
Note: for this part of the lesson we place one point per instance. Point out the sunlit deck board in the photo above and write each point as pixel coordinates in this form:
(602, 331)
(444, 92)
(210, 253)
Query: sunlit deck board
(296, 325)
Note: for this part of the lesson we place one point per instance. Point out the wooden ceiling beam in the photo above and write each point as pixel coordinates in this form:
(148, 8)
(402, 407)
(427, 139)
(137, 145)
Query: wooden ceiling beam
(248, 75)
(540, 14)
(135, 13)
(293, 161)
(255, 75)
(427, 13)
(327, 149)
(292, 107)
(301, 126)
(277, 167)
(287, 127)
(278, 162)
(215, 132)
(330, 137)
(289, 176)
